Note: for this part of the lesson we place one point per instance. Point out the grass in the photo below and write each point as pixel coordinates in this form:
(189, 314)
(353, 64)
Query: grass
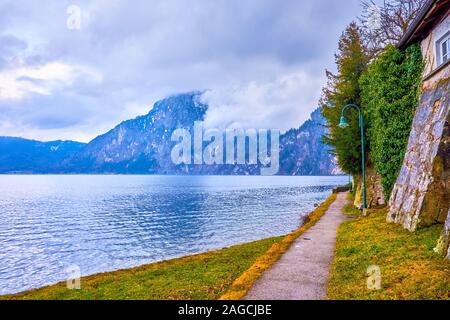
(349, 209)
(244, 283)
(410, 270)
(227, 274)
(200, 277)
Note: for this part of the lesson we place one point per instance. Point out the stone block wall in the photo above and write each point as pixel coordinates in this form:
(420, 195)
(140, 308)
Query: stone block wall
(374, 190)
(446, 235)
(421, 195)
(444, 242)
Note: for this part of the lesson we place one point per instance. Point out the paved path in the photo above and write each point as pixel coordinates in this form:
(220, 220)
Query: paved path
(302, 272)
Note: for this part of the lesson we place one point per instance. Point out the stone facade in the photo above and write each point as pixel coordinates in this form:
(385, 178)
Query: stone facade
(421, 196)
(374, 190)
(446, 234)
(443, 243)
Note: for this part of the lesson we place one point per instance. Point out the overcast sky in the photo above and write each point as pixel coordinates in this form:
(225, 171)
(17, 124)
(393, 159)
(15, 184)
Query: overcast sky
(261, 61)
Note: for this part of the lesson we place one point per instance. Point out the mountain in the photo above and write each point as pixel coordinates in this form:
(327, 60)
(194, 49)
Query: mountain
(19, 155)
(302, 152)
(143, 146)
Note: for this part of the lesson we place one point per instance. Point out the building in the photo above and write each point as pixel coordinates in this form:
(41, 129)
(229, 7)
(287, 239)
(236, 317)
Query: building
(421, 195)
(432, 29)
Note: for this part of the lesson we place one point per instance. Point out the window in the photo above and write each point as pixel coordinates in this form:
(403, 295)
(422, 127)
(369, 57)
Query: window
(443, 49)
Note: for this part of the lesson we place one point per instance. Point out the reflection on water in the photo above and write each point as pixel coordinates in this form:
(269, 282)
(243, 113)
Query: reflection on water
(104, 223)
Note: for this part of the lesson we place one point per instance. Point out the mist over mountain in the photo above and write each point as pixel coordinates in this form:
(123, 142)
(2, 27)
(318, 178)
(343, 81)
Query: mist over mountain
(143, 146)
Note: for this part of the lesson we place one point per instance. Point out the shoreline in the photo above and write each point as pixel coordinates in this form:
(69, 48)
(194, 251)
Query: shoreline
(270, 250)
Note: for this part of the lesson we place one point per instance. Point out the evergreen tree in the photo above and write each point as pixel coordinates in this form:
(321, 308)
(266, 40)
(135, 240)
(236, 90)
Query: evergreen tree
(343, 88)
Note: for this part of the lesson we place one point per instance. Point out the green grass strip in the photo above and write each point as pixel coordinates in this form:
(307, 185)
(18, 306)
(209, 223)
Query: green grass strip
(410, 270)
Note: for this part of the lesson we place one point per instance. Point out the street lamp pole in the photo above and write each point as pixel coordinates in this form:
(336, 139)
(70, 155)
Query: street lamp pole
(344, 124)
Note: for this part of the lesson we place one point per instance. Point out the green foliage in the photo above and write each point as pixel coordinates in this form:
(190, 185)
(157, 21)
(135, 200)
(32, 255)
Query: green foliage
(390, 93)
(343, 89)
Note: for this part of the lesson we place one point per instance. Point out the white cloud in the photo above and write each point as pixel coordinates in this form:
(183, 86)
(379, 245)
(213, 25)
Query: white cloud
(19, 82)
(263, 61)
(283, 103)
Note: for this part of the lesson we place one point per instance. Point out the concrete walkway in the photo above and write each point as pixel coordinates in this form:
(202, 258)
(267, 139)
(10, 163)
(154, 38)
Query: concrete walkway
(302, 272)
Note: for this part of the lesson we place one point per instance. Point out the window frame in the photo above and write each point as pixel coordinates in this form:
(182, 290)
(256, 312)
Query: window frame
(441, 59)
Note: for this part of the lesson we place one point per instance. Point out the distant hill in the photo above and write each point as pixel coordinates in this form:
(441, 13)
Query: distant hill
(143, 146)
(302, 152)
(19, 155)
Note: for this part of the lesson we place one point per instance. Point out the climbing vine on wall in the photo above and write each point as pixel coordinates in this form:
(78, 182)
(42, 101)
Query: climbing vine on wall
(390, 91)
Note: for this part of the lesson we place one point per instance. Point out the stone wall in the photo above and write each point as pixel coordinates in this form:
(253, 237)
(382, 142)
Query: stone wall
(443, 243)
(446, 234)
(421, 195)
(374, 190)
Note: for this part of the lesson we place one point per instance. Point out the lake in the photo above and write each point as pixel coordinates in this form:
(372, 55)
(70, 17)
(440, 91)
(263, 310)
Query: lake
(105, 223)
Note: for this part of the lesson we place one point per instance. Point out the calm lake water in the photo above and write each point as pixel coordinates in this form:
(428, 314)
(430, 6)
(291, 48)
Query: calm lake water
(104, 223)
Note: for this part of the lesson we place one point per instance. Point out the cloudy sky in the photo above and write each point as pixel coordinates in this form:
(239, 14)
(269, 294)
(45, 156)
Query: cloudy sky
(262, 62)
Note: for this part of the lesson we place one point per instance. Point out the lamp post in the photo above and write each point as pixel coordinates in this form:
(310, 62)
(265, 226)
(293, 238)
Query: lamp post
(344, 124)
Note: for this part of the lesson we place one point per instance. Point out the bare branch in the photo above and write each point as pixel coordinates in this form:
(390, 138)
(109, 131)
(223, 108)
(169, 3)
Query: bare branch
(386, 23)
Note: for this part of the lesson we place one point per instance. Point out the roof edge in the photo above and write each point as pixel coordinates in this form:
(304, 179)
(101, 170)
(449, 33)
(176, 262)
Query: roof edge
(405, 40)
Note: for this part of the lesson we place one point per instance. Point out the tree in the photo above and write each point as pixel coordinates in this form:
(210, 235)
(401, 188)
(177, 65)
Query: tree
(341, 89)
(387, 23)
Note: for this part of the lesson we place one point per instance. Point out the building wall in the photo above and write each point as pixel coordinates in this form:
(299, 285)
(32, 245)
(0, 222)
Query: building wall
(375, 195)
(443, 243)
(429, 51)
(421, 195)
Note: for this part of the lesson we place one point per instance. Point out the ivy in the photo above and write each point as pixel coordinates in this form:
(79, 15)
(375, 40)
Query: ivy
(390, 91)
